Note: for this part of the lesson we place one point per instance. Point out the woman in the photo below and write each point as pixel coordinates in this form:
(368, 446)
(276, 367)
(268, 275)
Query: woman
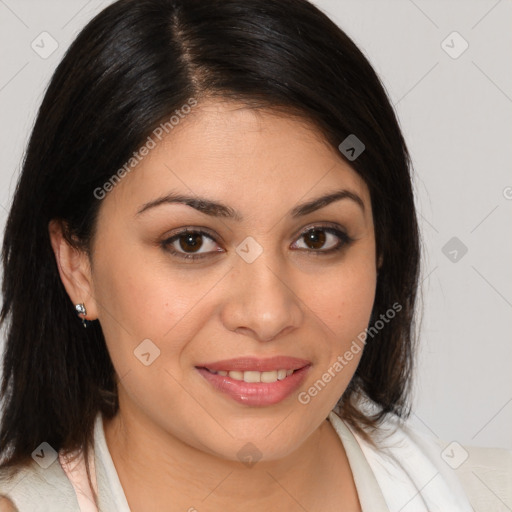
(221, 192)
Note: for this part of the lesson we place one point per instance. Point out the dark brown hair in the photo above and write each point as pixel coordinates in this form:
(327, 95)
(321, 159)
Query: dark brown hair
(131, 67)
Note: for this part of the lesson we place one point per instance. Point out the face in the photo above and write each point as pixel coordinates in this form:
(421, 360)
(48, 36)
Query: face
(216, 247)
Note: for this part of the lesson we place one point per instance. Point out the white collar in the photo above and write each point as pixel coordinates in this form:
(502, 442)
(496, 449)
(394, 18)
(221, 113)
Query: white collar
(403, 472)
(407, 467)
(110, 491)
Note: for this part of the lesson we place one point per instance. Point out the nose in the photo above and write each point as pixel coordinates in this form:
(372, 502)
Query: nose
(261, 301)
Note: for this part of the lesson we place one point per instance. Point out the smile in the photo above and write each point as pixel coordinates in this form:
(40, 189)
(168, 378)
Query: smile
(255, 388)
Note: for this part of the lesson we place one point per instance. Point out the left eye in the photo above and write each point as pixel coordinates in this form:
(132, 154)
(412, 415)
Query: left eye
(322, 239)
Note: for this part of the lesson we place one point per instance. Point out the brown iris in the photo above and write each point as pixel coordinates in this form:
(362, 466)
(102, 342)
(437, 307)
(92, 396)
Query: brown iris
(191, 242)
(315, 239)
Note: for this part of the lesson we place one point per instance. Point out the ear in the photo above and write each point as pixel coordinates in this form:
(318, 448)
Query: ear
(74, 269)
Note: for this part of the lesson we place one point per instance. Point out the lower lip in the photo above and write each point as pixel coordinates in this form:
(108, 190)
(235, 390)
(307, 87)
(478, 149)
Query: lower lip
(256, 393)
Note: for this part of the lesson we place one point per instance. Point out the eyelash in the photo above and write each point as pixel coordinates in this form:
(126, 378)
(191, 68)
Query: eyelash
(344, 241)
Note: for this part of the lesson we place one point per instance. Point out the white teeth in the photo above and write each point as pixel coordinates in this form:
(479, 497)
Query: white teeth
(281, 374)
(270, 376)
(254, 376)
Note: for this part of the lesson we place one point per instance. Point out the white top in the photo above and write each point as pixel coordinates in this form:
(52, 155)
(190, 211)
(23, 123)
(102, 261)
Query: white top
(404, 471)
(402, 475)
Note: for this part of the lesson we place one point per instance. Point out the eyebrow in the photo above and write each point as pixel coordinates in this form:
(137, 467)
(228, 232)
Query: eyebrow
(218, 209)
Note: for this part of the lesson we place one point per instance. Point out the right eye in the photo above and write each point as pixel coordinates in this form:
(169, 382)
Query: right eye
(191, 244)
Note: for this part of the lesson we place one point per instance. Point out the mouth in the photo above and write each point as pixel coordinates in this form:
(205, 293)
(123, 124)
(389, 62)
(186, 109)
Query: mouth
(256, 382)
(249, 363)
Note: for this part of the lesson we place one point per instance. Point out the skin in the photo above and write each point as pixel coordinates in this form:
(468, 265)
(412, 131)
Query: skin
(6, 505)
(175, 439)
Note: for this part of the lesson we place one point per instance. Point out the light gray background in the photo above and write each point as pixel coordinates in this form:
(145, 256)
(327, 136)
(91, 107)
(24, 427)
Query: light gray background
(456, 114)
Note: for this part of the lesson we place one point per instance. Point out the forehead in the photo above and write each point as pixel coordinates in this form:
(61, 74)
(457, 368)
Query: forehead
(243, 156)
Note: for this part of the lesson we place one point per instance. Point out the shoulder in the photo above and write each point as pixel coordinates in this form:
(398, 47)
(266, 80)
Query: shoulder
(484, 474)
(444, 475)
(34, 488)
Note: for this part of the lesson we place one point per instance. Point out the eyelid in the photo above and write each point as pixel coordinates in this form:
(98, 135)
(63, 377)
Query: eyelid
(320, 225)
(193, 229)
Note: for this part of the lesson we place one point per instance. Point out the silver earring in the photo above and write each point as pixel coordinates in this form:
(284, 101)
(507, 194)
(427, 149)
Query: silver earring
(80, 309)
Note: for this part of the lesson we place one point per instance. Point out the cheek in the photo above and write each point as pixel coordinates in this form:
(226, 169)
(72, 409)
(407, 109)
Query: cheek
(342, 302)
(345, 302)
(341, 306)
(140, 299)
(343, 299)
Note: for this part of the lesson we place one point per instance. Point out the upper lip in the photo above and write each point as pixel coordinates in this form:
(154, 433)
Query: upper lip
(244, 364)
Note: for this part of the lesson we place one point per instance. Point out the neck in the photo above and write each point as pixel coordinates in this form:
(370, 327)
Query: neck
(158, 471)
